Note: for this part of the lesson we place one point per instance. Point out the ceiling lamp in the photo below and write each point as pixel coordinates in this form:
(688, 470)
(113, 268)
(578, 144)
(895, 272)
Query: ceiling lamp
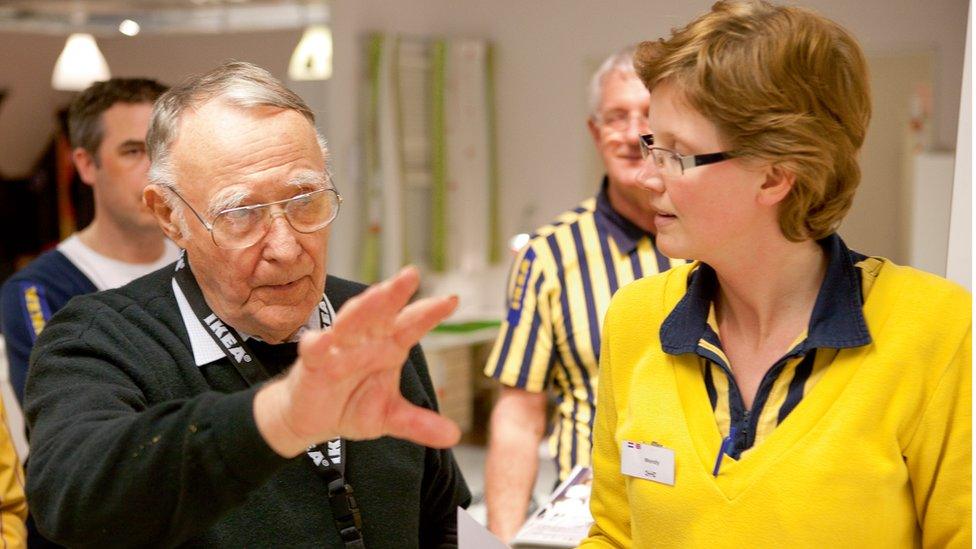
(79, 65)
(129, 27)
(312, 58)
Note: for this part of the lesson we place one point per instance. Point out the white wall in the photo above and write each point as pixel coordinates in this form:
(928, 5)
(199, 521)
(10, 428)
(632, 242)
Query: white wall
(959, 266)
(930, 191)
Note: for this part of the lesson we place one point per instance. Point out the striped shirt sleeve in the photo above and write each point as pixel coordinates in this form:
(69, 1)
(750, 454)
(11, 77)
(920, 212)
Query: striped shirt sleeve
(523, 352)
(24, 311)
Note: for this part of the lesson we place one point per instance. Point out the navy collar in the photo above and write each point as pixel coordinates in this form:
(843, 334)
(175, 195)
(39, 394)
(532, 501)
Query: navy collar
(837, 321)
(624, 233)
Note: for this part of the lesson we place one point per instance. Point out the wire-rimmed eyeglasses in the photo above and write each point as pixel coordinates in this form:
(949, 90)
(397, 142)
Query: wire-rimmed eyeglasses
(243, 226)
(621, 120)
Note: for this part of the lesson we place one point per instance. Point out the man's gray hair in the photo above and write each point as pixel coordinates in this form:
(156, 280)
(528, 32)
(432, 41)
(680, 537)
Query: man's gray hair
(620, 62)
(235, 83)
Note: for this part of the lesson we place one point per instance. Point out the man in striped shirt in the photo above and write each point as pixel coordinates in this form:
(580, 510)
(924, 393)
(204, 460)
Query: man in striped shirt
(558, 291)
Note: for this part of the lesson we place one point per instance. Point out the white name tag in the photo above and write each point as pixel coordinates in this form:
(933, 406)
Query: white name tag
(647, 461)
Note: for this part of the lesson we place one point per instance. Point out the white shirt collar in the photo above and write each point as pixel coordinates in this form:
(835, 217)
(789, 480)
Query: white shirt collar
(107, 273)
(206, 350)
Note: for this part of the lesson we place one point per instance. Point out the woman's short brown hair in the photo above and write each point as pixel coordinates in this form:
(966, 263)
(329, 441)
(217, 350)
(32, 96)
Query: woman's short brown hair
(783, 85)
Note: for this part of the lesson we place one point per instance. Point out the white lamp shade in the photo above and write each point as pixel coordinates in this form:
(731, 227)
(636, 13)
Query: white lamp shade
(312, 58)
(79, 65)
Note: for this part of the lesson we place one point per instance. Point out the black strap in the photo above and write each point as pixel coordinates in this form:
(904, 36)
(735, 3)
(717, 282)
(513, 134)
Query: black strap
(329, 458)
(345, 510)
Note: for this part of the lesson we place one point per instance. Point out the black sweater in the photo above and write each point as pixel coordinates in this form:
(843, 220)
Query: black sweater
(133, 445)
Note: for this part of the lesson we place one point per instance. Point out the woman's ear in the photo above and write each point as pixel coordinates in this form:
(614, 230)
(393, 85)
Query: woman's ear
(777, 185)
(152, 195)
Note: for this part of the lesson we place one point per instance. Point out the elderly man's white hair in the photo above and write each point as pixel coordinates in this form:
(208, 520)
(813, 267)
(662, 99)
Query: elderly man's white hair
(621, 62)
(236, 83)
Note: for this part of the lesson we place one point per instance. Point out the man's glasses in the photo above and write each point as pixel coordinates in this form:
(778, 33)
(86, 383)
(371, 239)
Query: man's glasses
(620, 120)
(672, 163)
(244, 226)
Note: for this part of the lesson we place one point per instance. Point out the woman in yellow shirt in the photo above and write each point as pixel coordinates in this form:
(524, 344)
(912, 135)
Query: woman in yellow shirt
(783, 390)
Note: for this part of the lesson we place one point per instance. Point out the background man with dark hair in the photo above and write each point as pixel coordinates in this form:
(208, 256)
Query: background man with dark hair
(107, 124)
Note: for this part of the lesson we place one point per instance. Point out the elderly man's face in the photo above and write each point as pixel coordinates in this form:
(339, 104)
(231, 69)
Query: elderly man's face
(224, 157)
(620, 120)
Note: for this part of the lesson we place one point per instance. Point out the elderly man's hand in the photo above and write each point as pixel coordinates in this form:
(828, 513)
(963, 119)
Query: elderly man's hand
(346, 381)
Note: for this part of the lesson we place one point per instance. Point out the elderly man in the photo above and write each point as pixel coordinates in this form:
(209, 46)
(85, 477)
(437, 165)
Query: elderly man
(223, 402)
(560, 287)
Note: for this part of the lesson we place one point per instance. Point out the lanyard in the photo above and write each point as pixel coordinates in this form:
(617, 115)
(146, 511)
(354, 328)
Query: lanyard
(329, 459)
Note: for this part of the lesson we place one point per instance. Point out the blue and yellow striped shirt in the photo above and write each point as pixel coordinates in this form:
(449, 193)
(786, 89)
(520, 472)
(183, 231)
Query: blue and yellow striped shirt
(558, 292)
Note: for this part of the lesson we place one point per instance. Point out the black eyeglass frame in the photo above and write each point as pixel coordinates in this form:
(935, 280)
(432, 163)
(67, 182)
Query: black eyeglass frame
(210, 227)
(685, 161)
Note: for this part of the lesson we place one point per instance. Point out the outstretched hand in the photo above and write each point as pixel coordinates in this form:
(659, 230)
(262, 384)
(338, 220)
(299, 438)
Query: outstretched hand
(346, 382)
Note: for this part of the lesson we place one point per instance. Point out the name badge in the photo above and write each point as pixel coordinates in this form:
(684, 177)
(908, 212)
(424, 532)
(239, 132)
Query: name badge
(647, 461)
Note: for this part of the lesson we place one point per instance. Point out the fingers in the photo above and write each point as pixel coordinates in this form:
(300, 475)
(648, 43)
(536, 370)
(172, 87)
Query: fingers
(420, 317)
(375, 309)
(315, 343)
(382, 311)
(395, 292)
(407, 280)
(422, 426)
(376, 326)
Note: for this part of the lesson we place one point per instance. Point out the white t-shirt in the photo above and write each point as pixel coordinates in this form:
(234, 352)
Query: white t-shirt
(107, 273)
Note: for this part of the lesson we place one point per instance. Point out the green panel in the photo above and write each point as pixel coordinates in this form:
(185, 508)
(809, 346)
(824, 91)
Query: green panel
(494, 234)
(462, 327)
(438, 160)
(370, 266)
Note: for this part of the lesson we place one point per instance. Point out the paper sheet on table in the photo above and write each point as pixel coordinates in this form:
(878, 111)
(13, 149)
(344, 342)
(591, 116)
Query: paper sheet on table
(472, 535)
